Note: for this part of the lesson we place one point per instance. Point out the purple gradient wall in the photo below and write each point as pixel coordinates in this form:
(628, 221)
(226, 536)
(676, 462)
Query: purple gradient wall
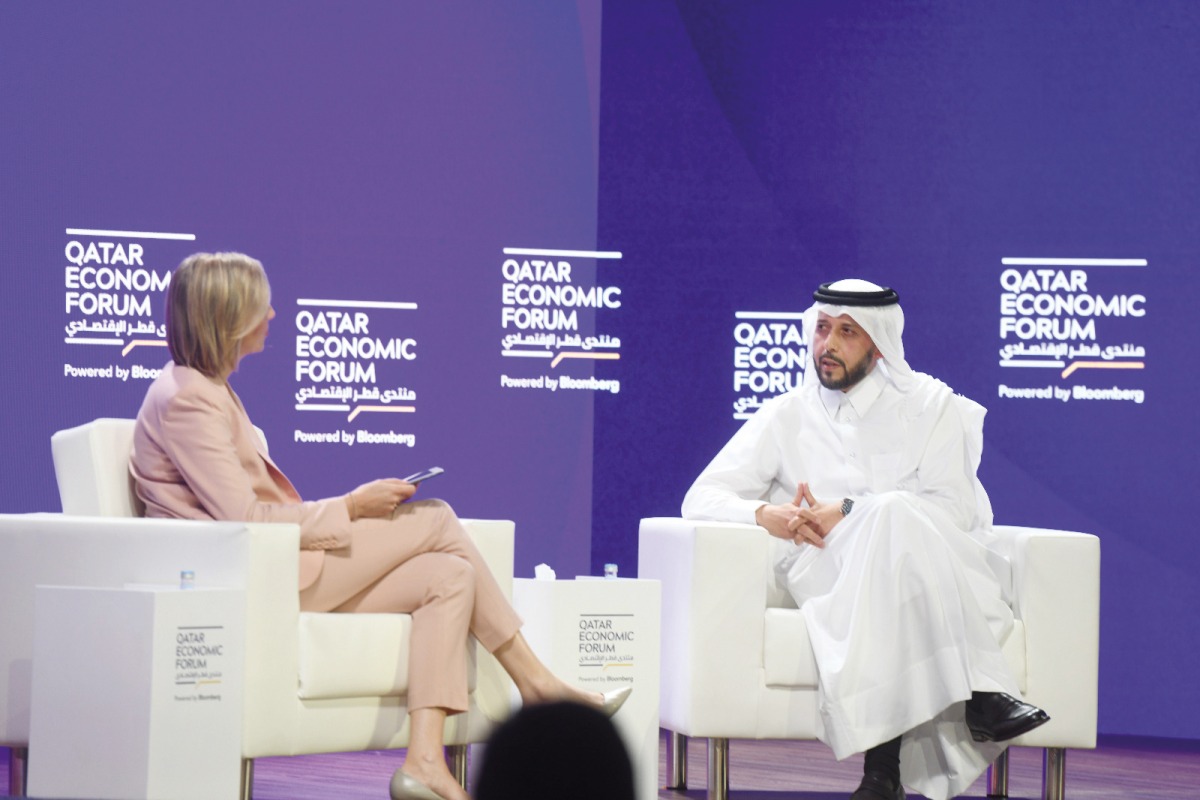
(382, 154)
(752, 150)
(733, 155)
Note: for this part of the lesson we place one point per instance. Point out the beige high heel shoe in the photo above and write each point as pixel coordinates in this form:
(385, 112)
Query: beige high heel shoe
(406, 787)
(614, 699)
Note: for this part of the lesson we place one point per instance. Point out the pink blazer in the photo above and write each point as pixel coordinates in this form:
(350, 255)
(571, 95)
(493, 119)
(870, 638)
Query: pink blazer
(197, 456)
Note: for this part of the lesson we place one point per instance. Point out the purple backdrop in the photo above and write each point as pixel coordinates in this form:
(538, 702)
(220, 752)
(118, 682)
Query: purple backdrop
(378, 158)
(733, 155)
(750, 151)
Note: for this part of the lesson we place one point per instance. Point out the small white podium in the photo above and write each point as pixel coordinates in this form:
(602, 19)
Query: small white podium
(137, 693)
(602, 634)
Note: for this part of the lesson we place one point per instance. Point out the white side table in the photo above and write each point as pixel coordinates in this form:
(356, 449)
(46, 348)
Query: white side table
(137, 693)
(602, 634)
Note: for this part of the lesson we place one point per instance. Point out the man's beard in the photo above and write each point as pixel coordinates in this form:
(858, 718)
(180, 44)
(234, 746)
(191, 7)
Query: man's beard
(850, 375)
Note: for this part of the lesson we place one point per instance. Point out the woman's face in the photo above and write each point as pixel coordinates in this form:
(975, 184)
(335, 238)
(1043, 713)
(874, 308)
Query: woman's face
(254, 341)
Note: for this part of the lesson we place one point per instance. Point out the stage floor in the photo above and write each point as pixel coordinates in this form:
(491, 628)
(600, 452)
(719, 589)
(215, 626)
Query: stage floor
(1120, 768)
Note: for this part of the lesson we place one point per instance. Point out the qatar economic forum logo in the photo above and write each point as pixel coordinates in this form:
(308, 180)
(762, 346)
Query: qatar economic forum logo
(551, 307)
(114, 283)
(769, 357)
(1072, 329)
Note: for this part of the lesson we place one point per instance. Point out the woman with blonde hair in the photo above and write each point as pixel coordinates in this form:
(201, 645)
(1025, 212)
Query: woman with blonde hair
(196, 455)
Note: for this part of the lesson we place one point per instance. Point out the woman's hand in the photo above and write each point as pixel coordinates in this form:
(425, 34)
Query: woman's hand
(378, 498)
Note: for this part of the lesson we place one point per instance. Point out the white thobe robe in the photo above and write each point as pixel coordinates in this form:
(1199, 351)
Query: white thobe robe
(905, 604)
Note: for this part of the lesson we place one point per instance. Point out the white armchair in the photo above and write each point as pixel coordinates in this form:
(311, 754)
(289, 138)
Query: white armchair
(737, 664)
(314, 683)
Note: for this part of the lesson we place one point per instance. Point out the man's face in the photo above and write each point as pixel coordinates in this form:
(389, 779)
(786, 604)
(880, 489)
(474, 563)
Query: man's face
(843, 353)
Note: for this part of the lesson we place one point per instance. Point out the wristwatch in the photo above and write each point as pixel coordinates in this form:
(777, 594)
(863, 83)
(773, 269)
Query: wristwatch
(847, 505)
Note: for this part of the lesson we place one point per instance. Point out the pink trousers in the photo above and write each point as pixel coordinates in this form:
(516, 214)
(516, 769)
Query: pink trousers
(420, 562)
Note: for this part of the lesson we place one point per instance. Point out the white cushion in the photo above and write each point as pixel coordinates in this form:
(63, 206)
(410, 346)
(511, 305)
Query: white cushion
(787, 655)
(357, 655)
(91, 464)
(788, 661)
(353, 655)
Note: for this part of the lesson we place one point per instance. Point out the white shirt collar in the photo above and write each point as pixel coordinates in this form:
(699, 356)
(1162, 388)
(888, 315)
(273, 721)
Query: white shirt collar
(860, 397)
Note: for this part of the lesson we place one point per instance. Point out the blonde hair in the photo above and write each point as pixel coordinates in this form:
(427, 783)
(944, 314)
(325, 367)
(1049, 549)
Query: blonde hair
(214, 300)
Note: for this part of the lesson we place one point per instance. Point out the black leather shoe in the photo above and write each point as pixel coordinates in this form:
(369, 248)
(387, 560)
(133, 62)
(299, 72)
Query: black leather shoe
(877, 786)
(998, 717)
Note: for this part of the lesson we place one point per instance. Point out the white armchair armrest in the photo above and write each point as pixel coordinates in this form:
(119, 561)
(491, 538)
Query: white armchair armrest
(714, 595)
(99, 552)
(1056, 580)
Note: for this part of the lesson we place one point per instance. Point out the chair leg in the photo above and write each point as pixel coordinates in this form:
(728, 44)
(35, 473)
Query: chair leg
(997, 777)
(456, 758)
(1054, 773)
(718, 769)
(676, 760)
(18, 761)
(247, 788)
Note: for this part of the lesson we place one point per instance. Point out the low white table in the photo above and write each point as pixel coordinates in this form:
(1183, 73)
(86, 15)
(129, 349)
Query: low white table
(602, 634)
(137, 693)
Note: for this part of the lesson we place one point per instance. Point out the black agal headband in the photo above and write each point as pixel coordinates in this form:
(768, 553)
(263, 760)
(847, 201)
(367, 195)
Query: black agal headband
(841, 297)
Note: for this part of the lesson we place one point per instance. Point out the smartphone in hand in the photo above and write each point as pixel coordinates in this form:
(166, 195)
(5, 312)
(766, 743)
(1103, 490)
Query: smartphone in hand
(424, 474)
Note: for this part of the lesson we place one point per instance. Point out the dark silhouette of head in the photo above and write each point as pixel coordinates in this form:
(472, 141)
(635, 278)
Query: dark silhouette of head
(556, 750)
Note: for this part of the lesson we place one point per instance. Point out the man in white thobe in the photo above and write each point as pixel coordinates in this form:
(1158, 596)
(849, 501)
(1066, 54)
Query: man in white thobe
(868, 469)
